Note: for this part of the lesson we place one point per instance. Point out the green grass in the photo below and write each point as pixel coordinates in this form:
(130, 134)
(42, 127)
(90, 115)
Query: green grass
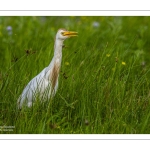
(104, 84)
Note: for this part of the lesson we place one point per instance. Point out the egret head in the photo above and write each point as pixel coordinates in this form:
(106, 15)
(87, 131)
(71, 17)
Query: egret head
(63, 34)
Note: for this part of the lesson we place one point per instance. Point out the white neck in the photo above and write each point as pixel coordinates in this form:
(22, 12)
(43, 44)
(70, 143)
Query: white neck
(57, 54)
(58, 50)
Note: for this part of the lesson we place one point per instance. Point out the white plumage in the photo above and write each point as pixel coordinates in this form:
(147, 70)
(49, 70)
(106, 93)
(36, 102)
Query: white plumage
(45, 84)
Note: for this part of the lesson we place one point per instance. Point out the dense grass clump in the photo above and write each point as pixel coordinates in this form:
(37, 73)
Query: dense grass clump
(104, 84)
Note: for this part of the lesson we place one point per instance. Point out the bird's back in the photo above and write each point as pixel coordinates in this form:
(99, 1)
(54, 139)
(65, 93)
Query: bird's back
(39, 87)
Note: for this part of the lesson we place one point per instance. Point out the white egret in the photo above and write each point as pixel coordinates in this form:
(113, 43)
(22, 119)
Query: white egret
(45, 84)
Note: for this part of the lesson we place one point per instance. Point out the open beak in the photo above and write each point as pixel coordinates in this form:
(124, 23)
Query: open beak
(70, 33)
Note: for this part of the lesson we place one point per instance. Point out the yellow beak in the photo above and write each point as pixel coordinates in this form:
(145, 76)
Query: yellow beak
(70, 33)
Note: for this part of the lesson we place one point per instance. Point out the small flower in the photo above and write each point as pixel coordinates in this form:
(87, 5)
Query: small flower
(123, 63)
(67, 63)
(107, 55)
(96, 24)
(9, 29)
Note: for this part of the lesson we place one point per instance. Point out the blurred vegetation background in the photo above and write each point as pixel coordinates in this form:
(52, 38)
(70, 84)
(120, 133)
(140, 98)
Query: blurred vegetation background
(104, 79)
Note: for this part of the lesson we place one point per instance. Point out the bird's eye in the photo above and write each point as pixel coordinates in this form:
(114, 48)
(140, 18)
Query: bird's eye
(62, 33)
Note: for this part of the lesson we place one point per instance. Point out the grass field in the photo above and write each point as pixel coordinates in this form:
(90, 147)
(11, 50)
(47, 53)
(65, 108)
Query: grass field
(104, 84)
